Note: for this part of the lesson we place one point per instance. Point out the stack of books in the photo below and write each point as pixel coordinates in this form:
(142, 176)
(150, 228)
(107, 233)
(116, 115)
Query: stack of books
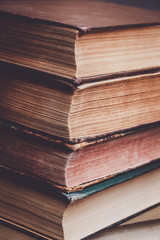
(80, 120)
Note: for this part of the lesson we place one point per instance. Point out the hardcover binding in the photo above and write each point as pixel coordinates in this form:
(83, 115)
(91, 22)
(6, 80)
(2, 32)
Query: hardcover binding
(110, 15)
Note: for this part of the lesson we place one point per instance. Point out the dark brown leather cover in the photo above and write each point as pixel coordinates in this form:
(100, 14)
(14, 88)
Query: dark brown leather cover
(83, 15)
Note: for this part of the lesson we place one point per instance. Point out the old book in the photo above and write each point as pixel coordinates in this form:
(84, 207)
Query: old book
(78, 111)
(70, 168)
(79, 39)
(145, 226)
(141, 231)
(56, 214)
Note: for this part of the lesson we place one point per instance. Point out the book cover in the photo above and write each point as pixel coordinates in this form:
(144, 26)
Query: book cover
(105, 38)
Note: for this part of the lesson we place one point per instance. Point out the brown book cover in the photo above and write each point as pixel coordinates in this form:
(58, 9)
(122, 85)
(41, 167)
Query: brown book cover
(81, 14)
(79, 39)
